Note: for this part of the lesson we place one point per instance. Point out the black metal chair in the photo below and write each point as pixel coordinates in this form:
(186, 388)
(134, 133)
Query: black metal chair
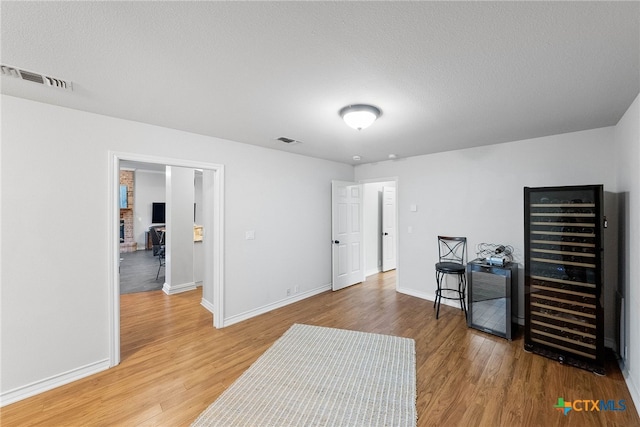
(451, 253)
(157, 242)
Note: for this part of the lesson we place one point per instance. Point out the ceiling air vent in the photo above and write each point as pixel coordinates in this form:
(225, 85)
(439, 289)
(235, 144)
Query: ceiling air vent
(32, 77)
(35, 77)
(288, 140)
(9, 71)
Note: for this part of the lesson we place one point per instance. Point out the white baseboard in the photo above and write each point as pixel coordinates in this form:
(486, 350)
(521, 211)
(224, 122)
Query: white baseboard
(631, 385)
(206, 304)
(278, 304)
(176, 289)
(46, 384)
(372, 272)
(432, 297)
(428, 297)
(417, 294)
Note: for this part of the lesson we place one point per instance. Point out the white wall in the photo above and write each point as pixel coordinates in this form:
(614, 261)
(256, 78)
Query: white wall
(627, 139)
(198, 198)
(54, 324)
(54, 308)
(179, 230)
(478, 193)
(198, 251)
(149, 187)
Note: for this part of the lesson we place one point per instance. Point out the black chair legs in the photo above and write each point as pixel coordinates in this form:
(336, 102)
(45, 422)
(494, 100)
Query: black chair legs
(158, 247)
(436, 303)
(160, 261)
(461, 292)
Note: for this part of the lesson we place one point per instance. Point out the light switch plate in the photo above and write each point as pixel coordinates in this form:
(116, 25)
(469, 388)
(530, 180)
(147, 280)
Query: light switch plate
(250, 235)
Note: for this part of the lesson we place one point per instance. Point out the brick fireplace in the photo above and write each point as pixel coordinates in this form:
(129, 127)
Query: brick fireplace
(126, 214)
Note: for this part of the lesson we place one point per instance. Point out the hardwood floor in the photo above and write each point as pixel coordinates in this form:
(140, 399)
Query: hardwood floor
(174, 364)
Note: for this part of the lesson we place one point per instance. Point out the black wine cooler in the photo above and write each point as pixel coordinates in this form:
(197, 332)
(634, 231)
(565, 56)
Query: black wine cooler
(564, 274)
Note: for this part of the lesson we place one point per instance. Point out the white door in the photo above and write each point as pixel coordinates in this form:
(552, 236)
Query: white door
(346, 231)
(388, 228)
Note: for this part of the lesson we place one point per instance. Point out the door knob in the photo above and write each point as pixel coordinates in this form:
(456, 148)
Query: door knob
(385, 234)
(336, 242)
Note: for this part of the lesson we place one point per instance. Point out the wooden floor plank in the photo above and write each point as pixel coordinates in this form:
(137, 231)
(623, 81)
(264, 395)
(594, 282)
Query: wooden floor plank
(174, 364)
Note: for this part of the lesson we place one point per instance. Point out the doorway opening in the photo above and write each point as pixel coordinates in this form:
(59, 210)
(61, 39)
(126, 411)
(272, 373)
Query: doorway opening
(142, 191)
(380, 225)
(212, 242)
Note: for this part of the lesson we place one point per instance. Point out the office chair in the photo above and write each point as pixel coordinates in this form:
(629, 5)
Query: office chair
(158, 248)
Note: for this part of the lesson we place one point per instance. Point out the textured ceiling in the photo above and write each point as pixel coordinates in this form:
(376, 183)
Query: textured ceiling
(447, 75)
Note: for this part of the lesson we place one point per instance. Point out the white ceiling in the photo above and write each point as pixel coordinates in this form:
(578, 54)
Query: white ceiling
(447, 75)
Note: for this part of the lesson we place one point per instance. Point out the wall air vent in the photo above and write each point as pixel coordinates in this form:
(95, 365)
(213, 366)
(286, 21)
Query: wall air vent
(35, 77)
(288, 140)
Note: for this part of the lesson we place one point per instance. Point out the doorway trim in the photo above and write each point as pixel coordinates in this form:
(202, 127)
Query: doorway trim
(215, 245)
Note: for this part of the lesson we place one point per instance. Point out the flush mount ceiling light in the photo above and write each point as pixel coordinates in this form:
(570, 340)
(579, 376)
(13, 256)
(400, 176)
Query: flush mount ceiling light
(360, 116)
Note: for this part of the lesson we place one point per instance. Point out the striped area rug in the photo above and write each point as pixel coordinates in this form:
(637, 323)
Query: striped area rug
(317, 376)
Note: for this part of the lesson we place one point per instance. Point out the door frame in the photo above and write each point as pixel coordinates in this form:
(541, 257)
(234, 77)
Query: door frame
(397, 181)
(215, 245)
(393, 228)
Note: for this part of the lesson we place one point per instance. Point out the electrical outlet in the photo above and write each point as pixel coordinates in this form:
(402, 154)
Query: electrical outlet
(288, 291)
(295, 290)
